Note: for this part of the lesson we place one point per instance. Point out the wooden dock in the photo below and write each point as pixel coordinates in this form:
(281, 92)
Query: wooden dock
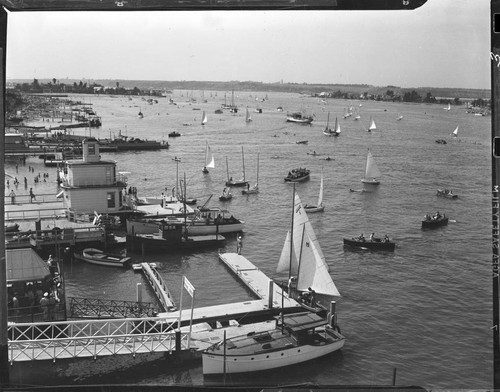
(270, 297)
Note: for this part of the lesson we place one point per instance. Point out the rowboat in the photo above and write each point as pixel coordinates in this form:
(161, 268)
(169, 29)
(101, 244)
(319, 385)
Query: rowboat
(434, 221)
(373, 244)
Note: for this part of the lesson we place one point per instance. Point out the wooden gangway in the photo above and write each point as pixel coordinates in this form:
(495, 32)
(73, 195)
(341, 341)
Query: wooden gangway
(159, 286)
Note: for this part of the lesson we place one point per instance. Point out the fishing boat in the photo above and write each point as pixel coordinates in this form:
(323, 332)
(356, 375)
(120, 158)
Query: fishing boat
(296, 338)
(372, 125)
(371, 244)
(209, 159)
(255, 189)
(298, 175)
(204, 118)
(455, 132)
(319, 206)
(206, 221)
(248, 118)
(372, 171)
(98, 257)
(226, 194)
(436, 220)
(243, 181)
(299, 117)
(448, 193)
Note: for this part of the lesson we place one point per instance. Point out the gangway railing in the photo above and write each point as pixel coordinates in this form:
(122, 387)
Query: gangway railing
(78, 339)
(98, 308)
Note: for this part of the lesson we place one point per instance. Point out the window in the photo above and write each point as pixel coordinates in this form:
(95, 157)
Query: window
(111, 200)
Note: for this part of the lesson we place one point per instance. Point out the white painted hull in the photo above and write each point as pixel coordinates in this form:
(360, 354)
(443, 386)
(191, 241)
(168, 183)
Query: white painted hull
(198, 228)
(372, 182)
(214, 364)
(309, 209)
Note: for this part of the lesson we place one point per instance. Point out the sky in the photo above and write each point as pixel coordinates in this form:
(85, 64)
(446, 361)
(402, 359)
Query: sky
(444, 43)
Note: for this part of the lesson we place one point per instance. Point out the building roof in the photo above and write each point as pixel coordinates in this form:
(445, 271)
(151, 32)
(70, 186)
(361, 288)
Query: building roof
(25, 265)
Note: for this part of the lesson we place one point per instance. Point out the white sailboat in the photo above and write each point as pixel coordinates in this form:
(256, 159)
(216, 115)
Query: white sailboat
(209, 159)
(319, 206)
(372, 126)
(255, 189)
(372, 172)
(204, 119)
(455, 132)
(302, 256)
(400, 117)
(448, 107)
(248, 118)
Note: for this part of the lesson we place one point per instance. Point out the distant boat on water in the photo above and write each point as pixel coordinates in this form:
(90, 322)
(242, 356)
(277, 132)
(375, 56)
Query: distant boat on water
(372, 172)
(455, 132)
(372, 125)
(209, 159)
(204, 118)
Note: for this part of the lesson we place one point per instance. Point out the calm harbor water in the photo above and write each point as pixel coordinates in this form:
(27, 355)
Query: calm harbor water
(425, 309)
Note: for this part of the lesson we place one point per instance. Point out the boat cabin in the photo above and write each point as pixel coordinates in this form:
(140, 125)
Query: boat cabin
(301, 325)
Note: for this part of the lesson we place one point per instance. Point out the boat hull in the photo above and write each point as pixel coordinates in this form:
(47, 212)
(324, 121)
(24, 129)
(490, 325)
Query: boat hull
(196, 228)
(368, 244)
(370, 182)
(155, 243)
(97, 257)
(297, 179)
(216, 363)
(236, 183)
(310, 209)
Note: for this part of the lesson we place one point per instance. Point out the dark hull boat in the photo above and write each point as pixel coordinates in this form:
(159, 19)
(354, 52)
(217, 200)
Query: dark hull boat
(430, 223)
(446, 193)
(298, 175)
(375, 244)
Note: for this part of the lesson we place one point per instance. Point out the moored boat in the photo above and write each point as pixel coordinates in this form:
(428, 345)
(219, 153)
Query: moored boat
(298, 175)
(98, 257)
(372, 244)
(297, 338)
(299, 117)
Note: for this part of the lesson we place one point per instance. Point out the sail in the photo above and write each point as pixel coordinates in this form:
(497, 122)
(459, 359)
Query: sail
(209, 158)
(455, 132)
(371, 170)
(372, 124)
(320, 197)
(285, 261)
(337, 125)
(204, 119)
(313, 269)
(248, 118)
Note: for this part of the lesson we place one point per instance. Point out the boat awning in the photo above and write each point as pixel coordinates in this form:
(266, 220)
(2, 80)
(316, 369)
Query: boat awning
(24, 265)
(302, 321)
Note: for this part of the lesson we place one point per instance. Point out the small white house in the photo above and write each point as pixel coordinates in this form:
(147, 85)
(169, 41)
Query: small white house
(90, 184)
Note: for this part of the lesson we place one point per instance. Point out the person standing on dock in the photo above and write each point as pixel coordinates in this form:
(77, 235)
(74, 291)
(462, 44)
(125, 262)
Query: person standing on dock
(12, 195)
(32, 195)
(239, 244)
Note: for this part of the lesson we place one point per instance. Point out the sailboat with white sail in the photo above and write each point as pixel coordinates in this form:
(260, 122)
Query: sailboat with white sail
(319, 206)
(372, 125)
(447, 107)
(255, 189)
(372, 172)
(209, 159)
(243, 181)
(455, 132)
(400, 117)
(304, 260)
(248, 118)
(204, 118)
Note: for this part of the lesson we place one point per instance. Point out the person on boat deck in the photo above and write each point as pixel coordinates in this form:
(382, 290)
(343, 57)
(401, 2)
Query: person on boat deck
(291, 284)
(372, 235)
(438, 215)
(362, 237)
(312, 293)
(239, 244)
(386, 238)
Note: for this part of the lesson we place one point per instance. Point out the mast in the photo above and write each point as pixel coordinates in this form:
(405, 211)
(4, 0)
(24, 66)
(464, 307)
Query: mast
(184, 207)
(300, 254)
(243, 159)
(227, 170)
(291, 234)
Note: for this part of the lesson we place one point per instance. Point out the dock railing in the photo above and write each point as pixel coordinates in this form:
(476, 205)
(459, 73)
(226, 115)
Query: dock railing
(98, 308)
(78, 339)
